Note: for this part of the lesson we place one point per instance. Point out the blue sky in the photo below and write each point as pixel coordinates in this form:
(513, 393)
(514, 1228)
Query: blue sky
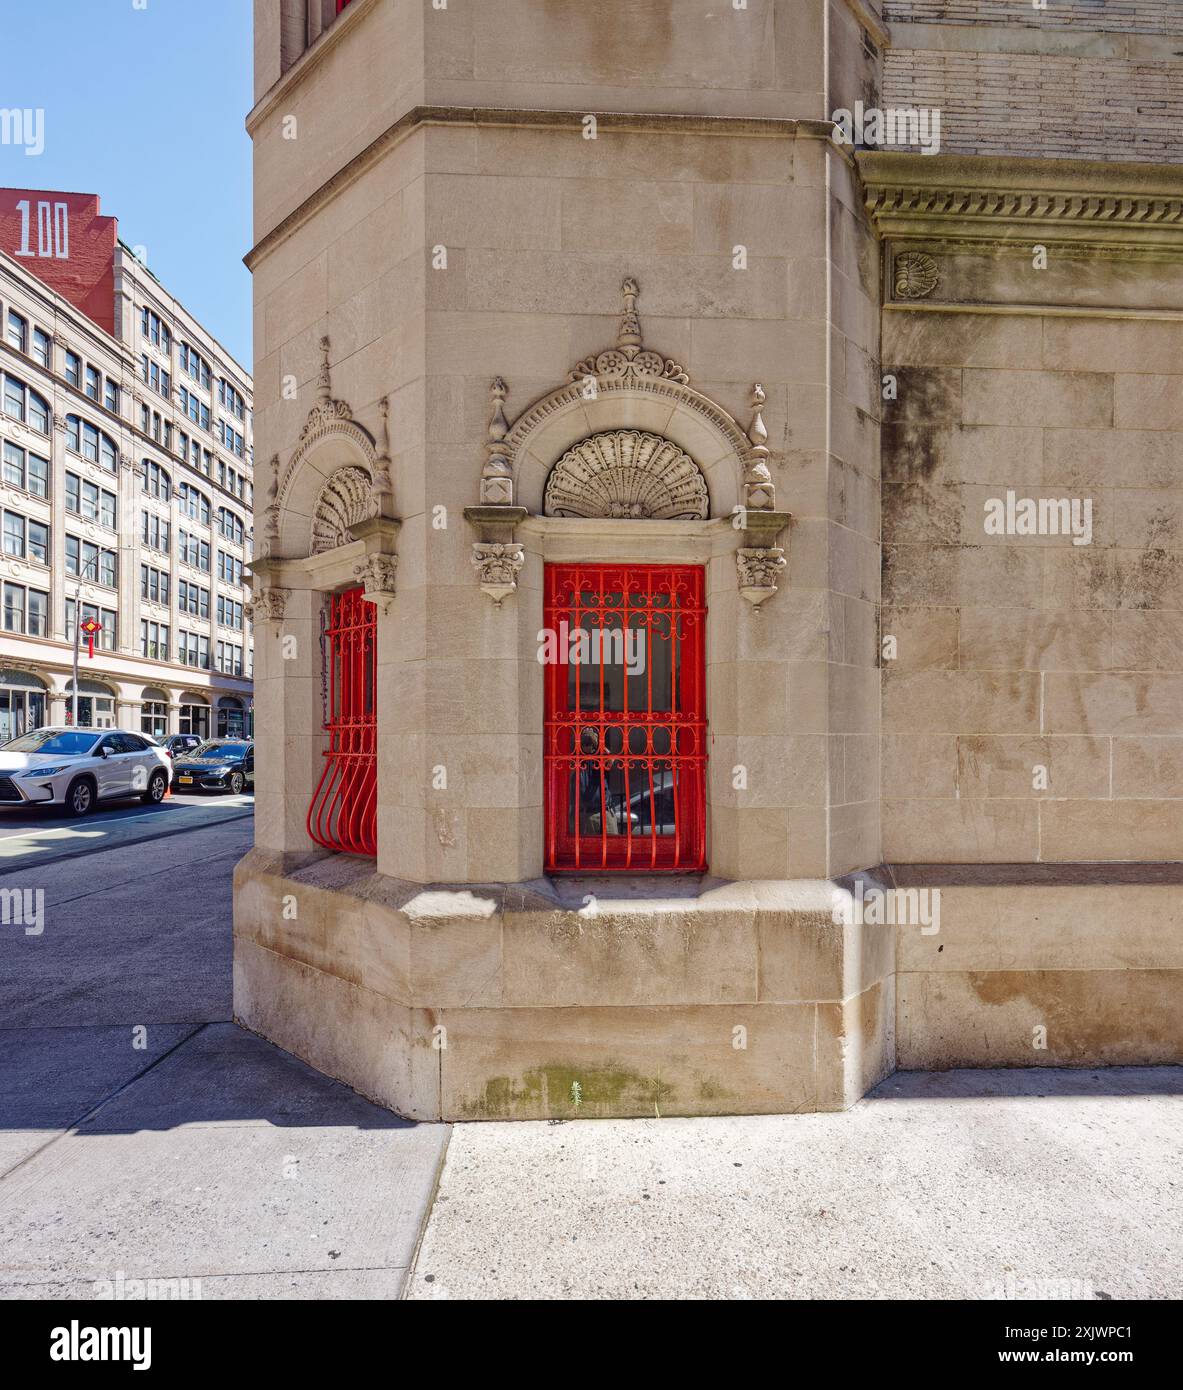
(146, 107)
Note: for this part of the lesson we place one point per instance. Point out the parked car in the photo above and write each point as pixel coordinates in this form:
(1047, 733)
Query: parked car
(75, 768)
(177, 745)
(220, 764)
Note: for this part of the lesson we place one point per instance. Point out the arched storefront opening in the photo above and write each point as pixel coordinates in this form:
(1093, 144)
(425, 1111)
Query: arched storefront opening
(96, 705)
(231, 718)
(194, 715)
(24, 704)
(154, 712)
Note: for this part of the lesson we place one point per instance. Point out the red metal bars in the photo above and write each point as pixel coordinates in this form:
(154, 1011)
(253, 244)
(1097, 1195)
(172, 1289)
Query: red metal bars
(625, 739)
(344, 811)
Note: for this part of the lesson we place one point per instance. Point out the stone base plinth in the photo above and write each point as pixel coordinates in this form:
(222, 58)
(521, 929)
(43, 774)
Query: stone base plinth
(566, 999)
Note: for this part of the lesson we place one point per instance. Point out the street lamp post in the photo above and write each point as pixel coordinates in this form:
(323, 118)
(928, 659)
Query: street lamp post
(78, 631)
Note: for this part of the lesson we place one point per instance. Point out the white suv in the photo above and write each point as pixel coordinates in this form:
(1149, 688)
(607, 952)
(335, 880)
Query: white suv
(74, 768)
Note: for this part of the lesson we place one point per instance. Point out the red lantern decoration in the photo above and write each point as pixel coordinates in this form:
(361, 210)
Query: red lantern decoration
(90, 626)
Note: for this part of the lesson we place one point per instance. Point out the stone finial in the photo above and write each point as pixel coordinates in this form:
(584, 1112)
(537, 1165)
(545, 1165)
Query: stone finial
(759, 490)
(497, 473)
(382, 489)
(270, 531)
(630, 323)
(324, 389)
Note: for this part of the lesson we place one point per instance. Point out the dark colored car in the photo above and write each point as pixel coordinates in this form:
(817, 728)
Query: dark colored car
(177, 745)
(219, 765)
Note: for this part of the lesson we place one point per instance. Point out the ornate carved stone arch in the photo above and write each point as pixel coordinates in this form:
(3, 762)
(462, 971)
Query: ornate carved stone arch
(337, 477)
(625, 437)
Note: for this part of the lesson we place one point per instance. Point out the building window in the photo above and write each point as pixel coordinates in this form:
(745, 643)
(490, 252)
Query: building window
(154, 532)
(17, 332)
(26, 471)
(90, 502)
(229, 568)
(155, 481)
(154, 584)
(24, 405)
(83, 438)
(25, 539)
(111, 396)
(73, 368)
(625, 743)
(154, 640)
(155, 330)
(42, 347)
(195, 720)
(192, 598)
(344, 811)
(26, 611)
(154, 718)
(230, 525)
(93, 383)
(193, 551)
(193, 503)
(85, 560)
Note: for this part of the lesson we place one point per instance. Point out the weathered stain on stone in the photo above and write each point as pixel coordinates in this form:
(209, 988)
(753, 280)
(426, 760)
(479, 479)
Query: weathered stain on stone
(551, 1091)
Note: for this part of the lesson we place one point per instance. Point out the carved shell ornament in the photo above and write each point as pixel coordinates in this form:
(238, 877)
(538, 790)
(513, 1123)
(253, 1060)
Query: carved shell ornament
(343, 502)
(916, 275)
(627, 474)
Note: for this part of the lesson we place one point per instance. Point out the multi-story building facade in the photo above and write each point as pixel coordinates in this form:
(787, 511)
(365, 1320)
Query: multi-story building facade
(591, 321)
(125, 487)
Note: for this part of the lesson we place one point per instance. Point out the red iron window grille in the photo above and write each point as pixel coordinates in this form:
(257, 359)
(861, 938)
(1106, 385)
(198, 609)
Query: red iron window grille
(344, 811)
(625, 742)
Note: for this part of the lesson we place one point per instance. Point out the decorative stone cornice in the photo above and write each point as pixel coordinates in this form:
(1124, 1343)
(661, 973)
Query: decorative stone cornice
(1121, 208)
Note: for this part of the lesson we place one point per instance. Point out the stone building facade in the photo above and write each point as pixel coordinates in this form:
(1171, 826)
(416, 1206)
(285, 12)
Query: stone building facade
(567, 306)
(117, 505)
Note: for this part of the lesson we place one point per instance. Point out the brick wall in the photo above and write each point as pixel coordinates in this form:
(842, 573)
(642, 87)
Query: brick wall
(1087, 79)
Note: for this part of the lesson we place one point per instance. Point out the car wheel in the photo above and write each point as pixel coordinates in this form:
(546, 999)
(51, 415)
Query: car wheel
(80, 797)
(237, 782)
(154, 793)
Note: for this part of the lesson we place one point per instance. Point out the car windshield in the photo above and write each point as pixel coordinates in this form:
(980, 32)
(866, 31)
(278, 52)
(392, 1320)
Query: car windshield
(218, 752)
(72, 741)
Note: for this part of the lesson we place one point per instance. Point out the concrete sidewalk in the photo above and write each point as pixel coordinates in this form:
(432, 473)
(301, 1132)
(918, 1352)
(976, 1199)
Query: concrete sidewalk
(142, 1133)
(955, 1185)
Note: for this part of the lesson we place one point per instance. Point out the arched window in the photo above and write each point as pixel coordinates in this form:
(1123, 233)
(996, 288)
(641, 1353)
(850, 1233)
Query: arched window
(230, 525)
(344, 811)
(84, 438)
(154, 712)
(230, 717)
(625, 742)
(155, 481)
(22, 403)
(193, 503)
(195, 717)
(22, 703)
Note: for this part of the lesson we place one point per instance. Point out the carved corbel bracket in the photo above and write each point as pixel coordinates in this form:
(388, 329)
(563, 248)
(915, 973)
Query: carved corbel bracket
(496, 556)
(268, 605)
(760, 559)
(377, 573)
(378, 568)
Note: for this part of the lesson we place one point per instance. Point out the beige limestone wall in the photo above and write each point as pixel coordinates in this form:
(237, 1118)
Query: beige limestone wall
(1021, 653)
